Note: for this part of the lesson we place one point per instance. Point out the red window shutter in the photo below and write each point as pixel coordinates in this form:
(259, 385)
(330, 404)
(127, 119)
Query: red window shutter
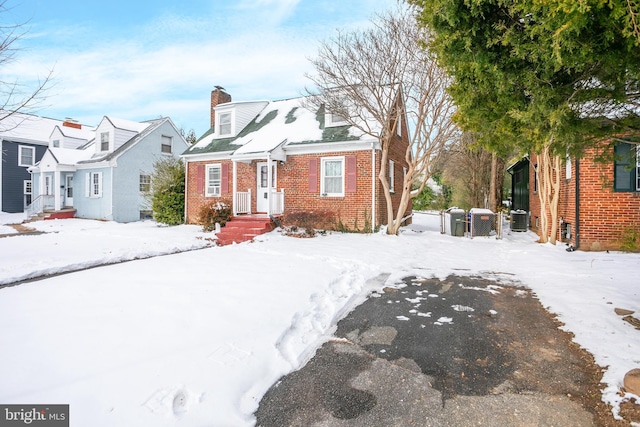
(224, 179)
(200, 178)
(351, 174)
(313, 175)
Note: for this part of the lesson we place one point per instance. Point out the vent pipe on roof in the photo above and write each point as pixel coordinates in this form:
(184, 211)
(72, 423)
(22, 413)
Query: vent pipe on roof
(218, 96)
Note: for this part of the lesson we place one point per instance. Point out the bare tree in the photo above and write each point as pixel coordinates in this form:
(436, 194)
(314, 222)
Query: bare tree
(467, 169)
(363, 75)
(15, 97)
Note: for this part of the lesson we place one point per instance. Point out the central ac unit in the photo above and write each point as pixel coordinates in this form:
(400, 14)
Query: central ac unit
(519, 220)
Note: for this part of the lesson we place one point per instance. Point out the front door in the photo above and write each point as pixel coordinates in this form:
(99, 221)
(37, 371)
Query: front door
(68, 192)
(262, 203)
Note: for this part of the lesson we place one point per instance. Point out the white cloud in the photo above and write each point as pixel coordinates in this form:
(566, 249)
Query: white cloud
(169, 65)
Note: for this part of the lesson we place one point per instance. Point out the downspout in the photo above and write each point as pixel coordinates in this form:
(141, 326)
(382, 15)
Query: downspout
(373, 187)
(234, 186)
(186, 189)
(577, 203)
(269, 178)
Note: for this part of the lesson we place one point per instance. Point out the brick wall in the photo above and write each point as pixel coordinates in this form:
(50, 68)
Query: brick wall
(353, 209)
(604, 213)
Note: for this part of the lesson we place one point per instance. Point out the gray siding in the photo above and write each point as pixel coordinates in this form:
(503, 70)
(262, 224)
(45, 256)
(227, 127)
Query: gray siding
(13, 176)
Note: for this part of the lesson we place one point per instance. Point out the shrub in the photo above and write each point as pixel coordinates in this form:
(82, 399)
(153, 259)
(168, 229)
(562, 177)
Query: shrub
(344, 228)
(167, 191)
(630, 240)
(215, 212)
(308, 221)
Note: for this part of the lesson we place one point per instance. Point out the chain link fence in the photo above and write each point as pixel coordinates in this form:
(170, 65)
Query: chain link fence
(472, 223)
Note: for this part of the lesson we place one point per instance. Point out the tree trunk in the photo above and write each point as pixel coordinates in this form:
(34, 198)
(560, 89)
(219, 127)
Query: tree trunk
(493, 204)
(555, 184)
(549, 195)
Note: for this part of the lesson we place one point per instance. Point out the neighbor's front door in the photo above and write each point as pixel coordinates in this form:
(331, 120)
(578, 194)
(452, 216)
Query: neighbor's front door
(68, 192)
(262, 202)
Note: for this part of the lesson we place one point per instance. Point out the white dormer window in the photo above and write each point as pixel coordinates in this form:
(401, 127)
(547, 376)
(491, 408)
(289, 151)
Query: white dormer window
(56, 143)
(331, 120)
(104, 141)
(224, 124)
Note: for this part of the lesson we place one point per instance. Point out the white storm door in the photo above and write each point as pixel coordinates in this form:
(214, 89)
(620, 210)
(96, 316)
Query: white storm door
(262, 202)
(68, 192)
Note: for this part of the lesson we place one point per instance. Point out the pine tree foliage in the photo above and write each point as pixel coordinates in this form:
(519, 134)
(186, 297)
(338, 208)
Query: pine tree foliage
(546, 77)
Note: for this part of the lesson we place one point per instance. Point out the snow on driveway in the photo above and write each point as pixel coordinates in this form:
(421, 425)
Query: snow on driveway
(200, 336)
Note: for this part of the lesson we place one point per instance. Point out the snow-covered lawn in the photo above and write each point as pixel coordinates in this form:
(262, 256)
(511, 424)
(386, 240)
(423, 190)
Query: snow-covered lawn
(200, 336)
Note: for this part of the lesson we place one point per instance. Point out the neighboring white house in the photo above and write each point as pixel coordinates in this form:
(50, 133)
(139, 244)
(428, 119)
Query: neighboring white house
(103, 174)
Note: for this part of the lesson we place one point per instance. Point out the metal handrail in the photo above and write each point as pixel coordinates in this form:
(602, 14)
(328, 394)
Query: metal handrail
(38, 205)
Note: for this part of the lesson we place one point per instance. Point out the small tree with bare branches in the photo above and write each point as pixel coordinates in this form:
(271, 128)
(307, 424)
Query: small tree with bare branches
(362, 75)
(14, 97)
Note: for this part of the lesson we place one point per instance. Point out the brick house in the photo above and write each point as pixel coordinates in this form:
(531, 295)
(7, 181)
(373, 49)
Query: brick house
(274, 157)
(599, 196)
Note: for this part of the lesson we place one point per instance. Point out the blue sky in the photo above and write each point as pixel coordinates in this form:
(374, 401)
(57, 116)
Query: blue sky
(141, 60)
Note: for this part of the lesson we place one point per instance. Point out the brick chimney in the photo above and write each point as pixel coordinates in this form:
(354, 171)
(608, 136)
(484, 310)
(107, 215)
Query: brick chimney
(70, 123)
(218, 96)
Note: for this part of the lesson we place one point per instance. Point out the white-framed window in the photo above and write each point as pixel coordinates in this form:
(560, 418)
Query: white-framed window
(224, 123)
(567, 168)
(399, 127)
(93, 185)
(26, 156)
(56, 143)
(332, 176)
(392, 176)
(214, 180)
(166, 145)
(27, 187)
(104, 141)
(145, 183)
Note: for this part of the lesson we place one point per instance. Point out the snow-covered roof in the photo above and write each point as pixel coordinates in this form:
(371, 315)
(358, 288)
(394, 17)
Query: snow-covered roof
(86, 132)
(70, 156)
(285, 121)
(22, 127)
(288, 122)
(127, 124)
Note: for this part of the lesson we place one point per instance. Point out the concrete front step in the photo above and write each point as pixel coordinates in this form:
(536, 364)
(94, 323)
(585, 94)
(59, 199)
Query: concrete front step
(243, 229)
(61, 214)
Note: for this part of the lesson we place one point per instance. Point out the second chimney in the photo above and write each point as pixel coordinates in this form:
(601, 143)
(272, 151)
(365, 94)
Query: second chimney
(218, 96)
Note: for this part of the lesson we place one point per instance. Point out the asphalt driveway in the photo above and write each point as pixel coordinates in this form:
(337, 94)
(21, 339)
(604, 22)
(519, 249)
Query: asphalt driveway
(456, 352)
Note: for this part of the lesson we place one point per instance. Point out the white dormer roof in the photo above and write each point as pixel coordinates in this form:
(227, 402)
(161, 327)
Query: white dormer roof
(129, 125)
(242, 112)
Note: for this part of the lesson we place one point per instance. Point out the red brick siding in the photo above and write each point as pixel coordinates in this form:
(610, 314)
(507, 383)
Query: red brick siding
(293, 177)
(604, 213)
